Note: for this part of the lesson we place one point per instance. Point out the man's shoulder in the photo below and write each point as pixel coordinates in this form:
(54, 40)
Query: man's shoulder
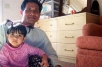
(2, 25)
(39, 30)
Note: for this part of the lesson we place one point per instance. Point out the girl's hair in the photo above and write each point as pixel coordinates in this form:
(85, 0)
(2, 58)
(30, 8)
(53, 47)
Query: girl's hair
(23, 5)
(17, 29)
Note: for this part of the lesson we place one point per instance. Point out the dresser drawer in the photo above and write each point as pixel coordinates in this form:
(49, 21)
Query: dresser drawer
(51, 36)
(71, 23)
(52, 25)
(41, 24)
(66, 49)
(64, 25)
(68, 36)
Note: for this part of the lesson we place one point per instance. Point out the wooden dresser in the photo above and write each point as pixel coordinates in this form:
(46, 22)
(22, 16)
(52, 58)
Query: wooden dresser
(63, 32)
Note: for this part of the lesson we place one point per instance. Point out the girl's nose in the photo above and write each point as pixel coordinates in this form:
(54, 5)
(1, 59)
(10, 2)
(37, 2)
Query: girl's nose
(16, 37)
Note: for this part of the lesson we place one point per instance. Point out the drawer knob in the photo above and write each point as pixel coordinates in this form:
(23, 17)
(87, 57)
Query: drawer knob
(68, 50)
(69, 24)
(50, 36)
(69, 37)
(51, 25)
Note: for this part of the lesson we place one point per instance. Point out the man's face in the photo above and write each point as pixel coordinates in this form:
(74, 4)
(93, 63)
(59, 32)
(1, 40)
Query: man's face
(31, 13)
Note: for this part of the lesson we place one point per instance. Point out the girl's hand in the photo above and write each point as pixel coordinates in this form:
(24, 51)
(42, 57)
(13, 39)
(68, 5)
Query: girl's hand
(44, 62)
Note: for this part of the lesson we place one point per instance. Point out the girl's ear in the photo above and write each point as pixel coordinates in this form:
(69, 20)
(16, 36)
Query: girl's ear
(24, 38)
(7, 35)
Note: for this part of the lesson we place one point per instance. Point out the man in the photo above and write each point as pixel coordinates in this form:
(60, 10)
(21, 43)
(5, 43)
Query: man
(30, 11)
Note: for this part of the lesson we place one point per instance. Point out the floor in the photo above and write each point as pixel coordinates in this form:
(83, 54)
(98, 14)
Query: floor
(66, 64)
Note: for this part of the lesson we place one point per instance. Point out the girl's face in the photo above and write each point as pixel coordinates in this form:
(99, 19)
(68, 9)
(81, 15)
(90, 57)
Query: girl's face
(15, 39)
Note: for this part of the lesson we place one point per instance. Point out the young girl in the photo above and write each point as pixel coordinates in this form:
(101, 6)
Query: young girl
(15, 52)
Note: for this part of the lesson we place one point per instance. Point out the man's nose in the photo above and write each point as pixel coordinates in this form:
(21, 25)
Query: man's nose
(32, 12)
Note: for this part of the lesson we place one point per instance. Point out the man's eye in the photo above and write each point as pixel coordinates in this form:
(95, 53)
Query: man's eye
(28, 10)
(36, 10)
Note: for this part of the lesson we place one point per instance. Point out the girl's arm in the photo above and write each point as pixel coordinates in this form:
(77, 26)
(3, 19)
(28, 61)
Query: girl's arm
(3, 59)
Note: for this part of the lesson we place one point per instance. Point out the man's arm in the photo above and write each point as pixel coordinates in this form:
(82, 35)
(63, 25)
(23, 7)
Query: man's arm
(44, 62)
(38, 38)
(50, 51)
(2, 35)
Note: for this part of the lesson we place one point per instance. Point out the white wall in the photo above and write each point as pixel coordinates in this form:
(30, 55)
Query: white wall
(0, 10)
(11, 9)
(83, 3)
(75, 4)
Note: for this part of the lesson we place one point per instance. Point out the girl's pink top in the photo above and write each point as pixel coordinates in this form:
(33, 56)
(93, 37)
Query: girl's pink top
(17, 57)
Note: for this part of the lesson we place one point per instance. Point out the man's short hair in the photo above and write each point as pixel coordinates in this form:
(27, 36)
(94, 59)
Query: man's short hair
(23, 5)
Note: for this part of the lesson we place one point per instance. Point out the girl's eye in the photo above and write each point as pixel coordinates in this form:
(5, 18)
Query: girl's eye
(12, 34)
(20, 35)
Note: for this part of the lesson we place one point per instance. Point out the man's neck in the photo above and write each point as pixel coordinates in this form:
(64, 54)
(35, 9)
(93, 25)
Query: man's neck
(27, 24)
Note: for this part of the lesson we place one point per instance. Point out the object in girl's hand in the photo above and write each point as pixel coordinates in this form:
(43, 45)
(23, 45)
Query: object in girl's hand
(35, 60)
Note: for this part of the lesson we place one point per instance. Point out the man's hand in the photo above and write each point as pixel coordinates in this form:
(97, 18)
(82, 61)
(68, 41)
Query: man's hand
(44, 62)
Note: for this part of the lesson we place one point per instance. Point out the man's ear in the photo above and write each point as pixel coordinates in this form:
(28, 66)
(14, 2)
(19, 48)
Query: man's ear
(21, 12)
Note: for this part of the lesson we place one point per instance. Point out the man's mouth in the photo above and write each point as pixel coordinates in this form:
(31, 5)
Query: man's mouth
(32, 18)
